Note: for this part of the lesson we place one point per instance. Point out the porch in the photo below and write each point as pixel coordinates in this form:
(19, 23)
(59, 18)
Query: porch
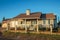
(29, 25)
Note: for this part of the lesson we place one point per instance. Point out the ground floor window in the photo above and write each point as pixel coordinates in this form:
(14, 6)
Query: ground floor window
(34, 22)
(44, 21)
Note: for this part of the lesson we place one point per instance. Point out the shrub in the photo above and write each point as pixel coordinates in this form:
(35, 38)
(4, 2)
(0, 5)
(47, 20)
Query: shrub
(55, 29)
(42, 29)
(59, 30)
(8, 34)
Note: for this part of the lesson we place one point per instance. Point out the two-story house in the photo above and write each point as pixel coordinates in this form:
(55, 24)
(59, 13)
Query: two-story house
(30, 21)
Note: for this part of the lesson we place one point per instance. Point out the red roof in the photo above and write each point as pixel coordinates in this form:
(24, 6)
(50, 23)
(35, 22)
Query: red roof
(31, 16)
(48, 16)
(5, 21)
(36, 15)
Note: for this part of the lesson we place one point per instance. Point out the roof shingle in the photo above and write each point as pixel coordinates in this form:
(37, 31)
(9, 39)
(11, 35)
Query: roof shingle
(32, 15)
(36, 15)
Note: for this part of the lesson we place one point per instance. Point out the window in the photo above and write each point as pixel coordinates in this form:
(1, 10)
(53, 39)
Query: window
(34, 22)
(44, 21)
(22, 22)
(49, 21)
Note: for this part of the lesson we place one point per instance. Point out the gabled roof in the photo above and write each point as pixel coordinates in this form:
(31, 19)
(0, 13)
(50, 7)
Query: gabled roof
(4, 21)
(31, 16)
(36, 15)
(48, 16)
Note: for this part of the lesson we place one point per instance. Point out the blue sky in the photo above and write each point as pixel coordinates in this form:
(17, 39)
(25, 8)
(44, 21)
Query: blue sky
(11, 8)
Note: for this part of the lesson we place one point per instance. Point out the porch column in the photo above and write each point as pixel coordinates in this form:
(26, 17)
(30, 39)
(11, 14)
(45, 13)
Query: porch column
(8, 26)
(25, 26)
(15, 26)
(37, 26)
(51, 28)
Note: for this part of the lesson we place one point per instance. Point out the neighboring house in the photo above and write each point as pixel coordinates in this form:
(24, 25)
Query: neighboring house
(31, 21)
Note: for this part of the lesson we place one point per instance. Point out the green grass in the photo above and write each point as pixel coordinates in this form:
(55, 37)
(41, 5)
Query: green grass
(30, 36)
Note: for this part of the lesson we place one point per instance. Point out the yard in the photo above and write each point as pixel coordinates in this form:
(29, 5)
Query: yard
(28, 36)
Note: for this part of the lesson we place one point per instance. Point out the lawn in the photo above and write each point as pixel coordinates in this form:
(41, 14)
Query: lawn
(29, 36)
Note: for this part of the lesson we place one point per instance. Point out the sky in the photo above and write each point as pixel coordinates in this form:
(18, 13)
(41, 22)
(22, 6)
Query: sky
(12, 8)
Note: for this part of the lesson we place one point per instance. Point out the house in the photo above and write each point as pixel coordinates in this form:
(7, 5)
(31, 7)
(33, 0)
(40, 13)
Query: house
(30, 21)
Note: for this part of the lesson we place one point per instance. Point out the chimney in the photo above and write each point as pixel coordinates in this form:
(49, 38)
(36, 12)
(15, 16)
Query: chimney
(28, 12)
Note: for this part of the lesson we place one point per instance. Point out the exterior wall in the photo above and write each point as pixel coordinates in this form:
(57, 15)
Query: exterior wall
(17, 23)
(40, 22)
(51, 21)
(4, 25)
(28, 23)
(12, 23)
(46, 23)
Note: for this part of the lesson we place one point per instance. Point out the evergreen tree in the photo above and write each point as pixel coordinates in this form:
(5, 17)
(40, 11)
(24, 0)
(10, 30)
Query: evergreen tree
(3, 18)
(0, 24)
(59, 23)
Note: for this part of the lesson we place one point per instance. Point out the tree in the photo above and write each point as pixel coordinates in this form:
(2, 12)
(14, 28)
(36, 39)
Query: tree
(0, 24)
(3, 18)
(59, 23)
(58, 26)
